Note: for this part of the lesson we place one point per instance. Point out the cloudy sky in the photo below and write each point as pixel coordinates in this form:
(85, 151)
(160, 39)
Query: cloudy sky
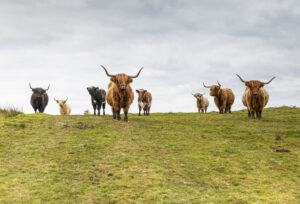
(180, 43)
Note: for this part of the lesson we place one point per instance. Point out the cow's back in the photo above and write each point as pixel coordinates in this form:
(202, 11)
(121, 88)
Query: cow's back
(230, 96)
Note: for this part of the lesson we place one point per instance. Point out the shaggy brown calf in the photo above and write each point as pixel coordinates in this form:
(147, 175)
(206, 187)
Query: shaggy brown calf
(120, 94)
(224, 98)
(202, 102)
(144, 101)
(255, 97)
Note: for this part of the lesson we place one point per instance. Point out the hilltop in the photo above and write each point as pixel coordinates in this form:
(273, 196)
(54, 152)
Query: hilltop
(163, 158)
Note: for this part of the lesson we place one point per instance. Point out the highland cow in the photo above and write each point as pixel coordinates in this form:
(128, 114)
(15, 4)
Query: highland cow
(97, 98)
(64, 108)
(223, 97)
(202, 102)
(120, 94)
(144, 101)
(255, 97)
(39, 99)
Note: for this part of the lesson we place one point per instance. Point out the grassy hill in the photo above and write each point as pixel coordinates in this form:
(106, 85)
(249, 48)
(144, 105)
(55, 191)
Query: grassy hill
(164, 158)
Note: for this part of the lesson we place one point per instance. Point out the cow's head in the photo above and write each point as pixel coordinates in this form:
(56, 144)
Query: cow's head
(214, 89)
(141, 93)
(254, 85)
(61, 103)
(39, 92)
(92, 90)
(198, 96)
(121, 80)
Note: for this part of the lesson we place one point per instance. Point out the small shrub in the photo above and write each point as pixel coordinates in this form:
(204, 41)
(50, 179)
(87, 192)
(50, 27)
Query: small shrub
(10, 111)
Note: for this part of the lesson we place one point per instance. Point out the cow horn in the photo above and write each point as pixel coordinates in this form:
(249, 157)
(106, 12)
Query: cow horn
(269, 81)
(137, 73)
(110, 75)
(67, 99)
(54, 99)
(219, 83)
(47, 88)
(206, 86)
(30, 86)
(241, 78)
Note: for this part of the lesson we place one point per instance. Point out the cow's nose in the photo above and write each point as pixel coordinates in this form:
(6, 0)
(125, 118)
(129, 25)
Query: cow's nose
(123, 87)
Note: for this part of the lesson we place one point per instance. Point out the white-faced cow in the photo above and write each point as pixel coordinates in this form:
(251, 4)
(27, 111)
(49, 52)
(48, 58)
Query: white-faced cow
(144, 101)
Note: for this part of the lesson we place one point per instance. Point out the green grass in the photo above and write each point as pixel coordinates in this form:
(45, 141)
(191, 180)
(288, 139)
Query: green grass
(164, 158)
(10, 112)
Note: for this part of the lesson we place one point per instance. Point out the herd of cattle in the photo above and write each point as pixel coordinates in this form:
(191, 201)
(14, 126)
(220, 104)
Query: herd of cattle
(120, 96)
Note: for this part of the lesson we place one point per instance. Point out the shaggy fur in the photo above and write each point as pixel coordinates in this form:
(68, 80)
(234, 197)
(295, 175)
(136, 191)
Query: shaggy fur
(255, 97)
(64, 108)
(120, 95)
(144, 101)
(223, 97)
(97, 98)
(39, 99)
(202, 102)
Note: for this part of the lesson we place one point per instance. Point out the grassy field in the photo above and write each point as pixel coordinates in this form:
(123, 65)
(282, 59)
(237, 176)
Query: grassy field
(164, 158)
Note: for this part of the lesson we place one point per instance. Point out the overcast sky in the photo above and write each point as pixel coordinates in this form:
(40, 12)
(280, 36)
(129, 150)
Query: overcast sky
(181, 44)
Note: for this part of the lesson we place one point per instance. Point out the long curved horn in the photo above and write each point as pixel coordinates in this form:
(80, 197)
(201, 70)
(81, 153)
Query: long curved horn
(269, 81)
(67, 99)
(206, 86)
(30, 86)
(47, 88)
(136, 74)
(109, 75)
(241, 78)
(219, 83)
(54, 99)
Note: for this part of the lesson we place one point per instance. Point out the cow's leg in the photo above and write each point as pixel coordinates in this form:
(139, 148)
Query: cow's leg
(229, 109)
(249, 113)
(118, 110)
(126, 114)
(94, 107)
(98, 109)
(149, 110)
(202, 110)
(140, 109)
(103, 108)
(253, 114)
(114, 113)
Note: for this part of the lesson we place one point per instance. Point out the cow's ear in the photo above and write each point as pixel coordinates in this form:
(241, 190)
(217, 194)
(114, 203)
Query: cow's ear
(97, 88)
(247, 84)
(137, 91)
(261, 85)
(145, 91)
(129, 80)
(113, 79)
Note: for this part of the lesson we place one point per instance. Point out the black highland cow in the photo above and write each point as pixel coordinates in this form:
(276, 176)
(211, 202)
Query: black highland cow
(39, 99)
(97, 98)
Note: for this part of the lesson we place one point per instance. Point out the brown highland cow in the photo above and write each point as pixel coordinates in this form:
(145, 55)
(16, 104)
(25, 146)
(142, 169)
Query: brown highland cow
(144, 101)
(255, 97)
(224, 98)
(120, 94)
